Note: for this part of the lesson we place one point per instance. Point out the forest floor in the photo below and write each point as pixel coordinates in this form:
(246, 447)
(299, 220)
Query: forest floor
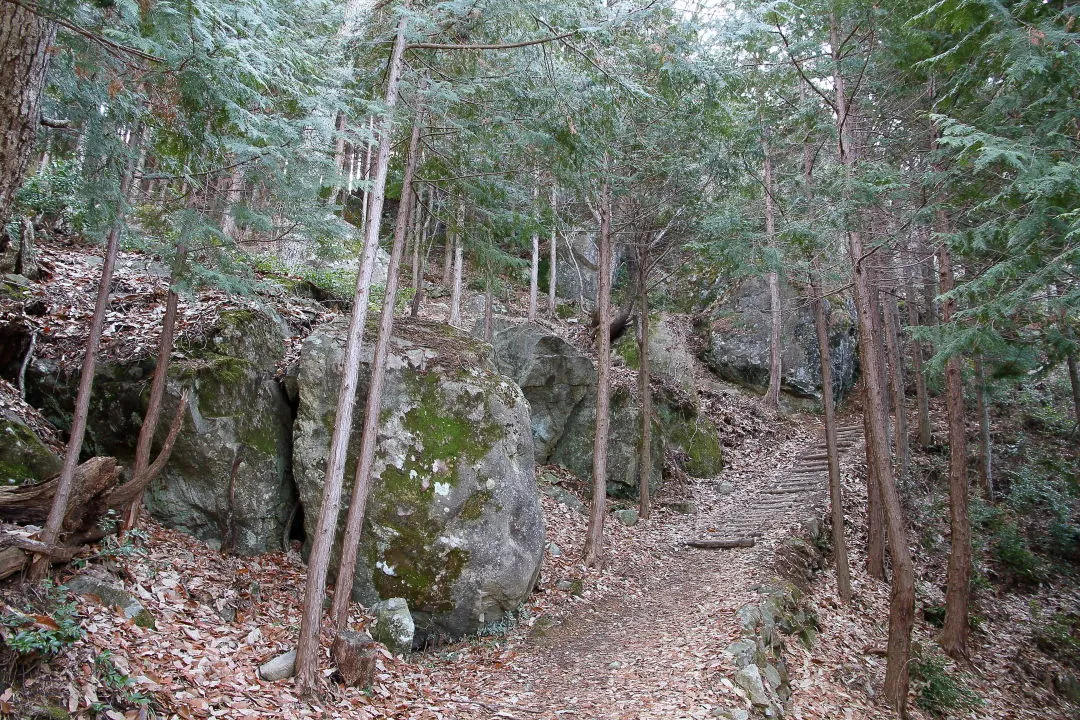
(643, 637)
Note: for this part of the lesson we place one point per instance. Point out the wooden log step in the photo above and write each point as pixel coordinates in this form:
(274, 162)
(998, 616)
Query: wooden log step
(791, 489)
(743, 542)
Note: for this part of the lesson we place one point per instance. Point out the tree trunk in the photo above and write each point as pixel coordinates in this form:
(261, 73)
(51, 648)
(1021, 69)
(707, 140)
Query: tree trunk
(326, 524)
(594, 538)
(24, 46)
(921, 397)
(644, 388)
(455, 292)
(875, 518)
(552, 267)
(772, 394)
(153, 410)
(843, 572)
(896, 382)
(49, 534)
(489, 301)
(986, 446)
(1074, 379)
(534, 267)
(448, 257)
(232, 199)
(362, 481)
(954, 636)
(902, 599)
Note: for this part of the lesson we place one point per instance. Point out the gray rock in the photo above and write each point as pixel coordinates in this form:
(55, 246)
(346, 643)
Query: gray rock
(742, 651)
(228, 481)
(24, 458)
(731, 714)
(772, 677)
(110, 593)
(628, 517)
(574, 450)
(564, 496)
(554, 550)
(725, 487)
(554, 376)
(279, 668)
(749, 679)
(394, 626)
(669, 357)
(737, 341)
(453, 521)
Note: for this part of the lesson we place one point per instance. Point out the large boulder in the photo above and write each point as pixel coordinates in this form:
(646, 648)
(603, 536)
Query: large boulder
(737, 337)
(554, 376)
(574, 450)
(559, 381)
(24, 457)
(228, 481)
(669, 354)
(453, 523)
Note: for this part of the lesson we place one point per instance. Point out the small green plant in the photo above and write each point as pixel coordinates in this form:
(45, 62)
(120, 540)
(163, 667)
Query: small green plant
(46, 625)
(51, 195)
(1016, 557)
(119, 687)
(940, 694)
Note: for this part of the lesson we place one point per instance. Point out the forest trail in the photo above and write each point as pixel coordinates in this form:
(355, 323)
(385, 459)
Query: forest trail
(659, 652)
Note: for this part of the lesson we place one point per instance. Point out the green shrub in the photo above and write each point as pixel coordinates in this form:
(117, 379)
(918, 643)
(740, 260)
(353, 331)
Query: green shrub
(940, 694)
(52, 194)
(47, 624)
(1016, 557)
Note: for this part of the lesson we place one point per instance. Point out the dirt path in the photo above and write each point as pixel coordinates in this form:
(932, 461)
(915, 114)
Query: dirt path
(655, 649)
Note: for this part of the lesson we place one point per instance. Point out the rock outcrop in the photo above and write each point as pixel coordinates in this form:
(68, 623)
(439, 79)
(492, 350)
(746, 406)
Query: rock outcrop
(453, 521)
(560, 384)
(228, 481)
(737, 336)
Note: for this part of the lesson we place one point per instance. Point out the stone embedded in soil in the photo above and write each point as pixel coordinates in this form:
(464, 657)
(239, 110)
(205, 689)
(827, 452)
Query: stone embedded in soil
(109, 593)
(628, 517)
(279, 668)
(394, 625)
(749, 679)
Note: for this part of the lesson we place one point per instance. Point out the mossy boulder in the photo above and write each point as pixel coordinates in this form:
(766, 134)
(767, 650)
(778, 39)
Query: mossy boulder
(229, 479)
(737, 338)
(24, 458)
(574, 450)
(453, 522)
(669, 355)
(692, 438)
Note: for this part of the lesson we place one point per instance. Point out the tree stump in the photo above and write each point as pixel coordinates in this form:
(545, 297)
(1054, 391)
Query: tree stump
(354, 653)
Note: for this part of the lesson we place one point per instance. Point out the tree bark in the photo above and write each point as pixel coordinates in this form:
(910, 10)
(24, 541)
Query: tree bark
(553, 250)
(986, 446)
(644, 388)
(25, 39)
(326, 524)
(153, 410)
(232, 199)
(772, 394)
(459, 271)
(902, 599)
(66, 484)
(843, 572)
(896, 382)
(534, 267)
(921, 397)
(489, 301)
(594, 538)
(875, 518)
(362, 481)
(1074, 379)
(954, 637)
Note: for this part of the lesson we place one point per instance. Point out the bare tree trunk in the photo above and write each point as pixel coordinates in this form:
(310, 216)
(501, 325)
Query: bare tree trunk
(232, 198)
(365, 210)
(448, 257)
(772, 394)
(954, 636)
(362, 481)
(49, 534)
(875, 518)
(921, 396)
(318, 562)
(645, 453)
(157, 394)
(25, 39)
(552, 266)
(534, 267)
(1074, 378)
(896, 382)
(986, 445)
(594, 538)
(455, 292)
(489, 301)
(902, 599)
(843, 572)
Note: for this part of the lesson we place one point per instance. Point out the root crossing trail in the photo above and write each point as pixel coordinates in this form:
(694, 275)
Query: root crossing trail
(653, 645)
